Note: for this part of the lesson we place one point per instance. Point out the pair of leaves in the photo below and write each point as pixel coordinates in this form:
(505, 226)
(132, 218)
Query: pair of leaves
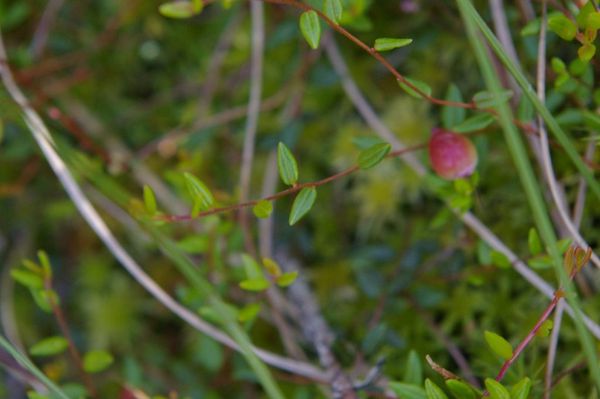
(288, 171)
(310, 26)
(255, 277)
(93, 361)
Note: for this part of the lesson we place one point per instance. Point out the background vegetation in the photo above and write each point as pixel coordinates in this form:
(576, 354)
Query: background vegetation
(393, 262)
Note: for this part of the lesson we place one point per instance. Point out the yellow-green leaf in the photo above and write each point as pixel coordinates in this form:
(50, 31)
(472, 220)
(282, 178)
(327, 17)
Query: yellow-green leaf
(149, 200)
(521, 389)
(422, 86)
(586, 52)
(201, 195)
(407, 391)
(473, 123)
(460, 390)
(311, 28)
(272, 267)
(562, 26)
(433, 391)
(302, 204)
(263, 209)
(545, 328)
(389, 43)
(496, 390)
(256, 284)
(27, 278)
(180, 9)
(97, 361)
(333, 9)
(49, 346)
(535, 245)
(499, 345)
(373, 155)
(288, 168)
(287, 279)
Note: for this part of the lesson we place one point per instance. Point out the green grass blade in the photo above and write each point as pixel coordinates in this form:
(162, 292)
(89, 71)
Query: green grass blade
(528, 91)
(528, 180)
(26, 363)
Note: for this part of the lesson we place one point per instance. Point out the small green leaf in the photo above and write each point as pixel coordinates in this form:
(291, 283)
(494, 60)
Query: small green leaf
(562, 26)
(486, 99)
(311, 28)
(499, 345)
(257, 284)
(558, 65)
(302, 204)
(521, 389)
(408, 391)
(389, 43)
(563, 245)
(45, 263)
(422, 86)
(35, 395)
(333, 10)
(496, 390)
(373, 155)
(201, 195)
(593, 20)
(474, 123)
(45, 298)
(413, 371)
(545, 328)
(272, 267)
(179, 9)
(532, 28)
(263, 209)
(535, 245)
(499, 260)
(287, 279)
(584, 13)
(248, 312)
(27, 278)
(540, 262)
(49, 346)
(433, 391)
(288, 168)
(453, 116)
(586, 52)
(460, 390)
(149, 200)
(97, 361)
(251, 268)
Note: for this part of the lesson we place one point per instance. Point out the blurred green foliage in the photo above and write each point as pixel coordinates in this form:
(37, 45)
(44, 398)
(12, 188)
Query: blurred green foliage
(396, 274)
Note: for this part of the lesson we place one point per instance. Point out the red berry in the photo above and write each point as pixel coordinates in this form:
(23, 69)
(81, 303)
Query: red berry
(452, 155)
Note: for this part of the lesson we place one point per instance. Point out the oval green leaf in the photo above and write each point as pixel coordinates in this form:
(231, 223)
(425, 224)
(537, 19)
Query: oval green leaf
(413, 372)
(49, 346)
(496, 390)
(460, 390)
(287, 279)
(389, 43)
(433, 391)
(288, 168)
(562, 26)
(486, 99)
(422, 86)
(333, 9)
(201, 195)
(256, 284)
(149, 200)
(27, 278)
(311, 28)
(474, 123)
(521, 389)
(408, 391)
(263, 209)
(533, 240)
(373, 155)
(302, 204)
(499, 345)
(97, 361)
(178, 9)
